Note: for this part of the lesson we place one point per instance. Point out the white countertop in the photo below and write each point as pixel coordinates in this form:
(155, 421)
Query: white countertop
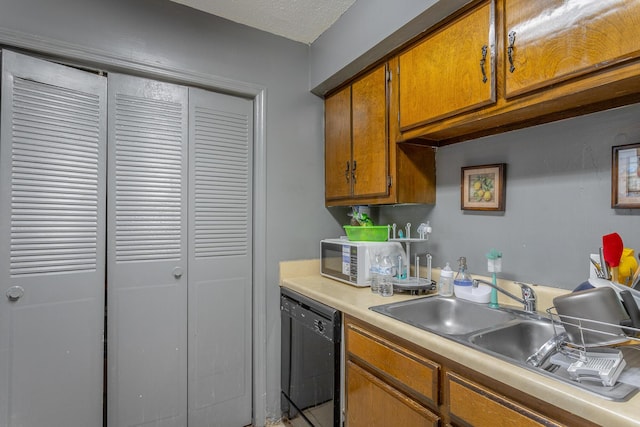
(304, 277)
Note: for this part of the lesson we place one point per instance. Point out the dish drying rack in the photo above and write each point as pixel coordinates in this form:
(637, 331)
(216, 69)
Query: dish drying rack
(412, 282)
(600, 362)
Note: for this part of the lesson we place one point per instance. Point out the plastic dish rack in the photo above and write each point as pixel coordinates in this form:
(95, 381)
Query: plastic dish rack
(600, 363)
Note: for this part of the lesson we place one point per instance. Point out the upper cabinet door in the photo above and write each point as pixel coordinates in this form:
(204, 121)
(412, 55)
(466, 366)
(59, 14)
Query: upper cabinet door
(370, 166)
(550, 41)
(337, 151)
(357, 141)
(451, 71)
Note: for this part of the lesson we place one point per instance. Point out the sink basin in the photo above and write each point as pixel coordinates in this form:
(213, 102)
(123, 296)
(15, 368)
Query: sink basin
(446, 316)
(517, 340)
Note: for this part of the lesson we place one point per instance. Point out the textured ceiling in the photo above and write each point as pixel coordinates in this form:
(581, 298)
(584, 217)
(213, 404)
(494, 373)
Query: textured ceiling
(299, 20)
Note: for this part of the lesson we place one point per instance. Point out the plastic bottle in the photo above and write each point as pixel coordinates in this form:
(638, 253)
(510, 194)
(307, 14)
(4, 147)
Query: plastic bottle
(375, 273)
(386, 276)
(445, 285)
(463, 281)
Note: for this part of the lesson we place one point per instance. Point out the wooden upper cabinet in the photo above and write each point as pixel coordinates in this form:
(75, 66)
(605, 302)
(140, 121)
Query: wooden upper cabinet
(364, 164)
(550, 41)
(450, 71)
(370, 167)
(338, 145)
(356, 140)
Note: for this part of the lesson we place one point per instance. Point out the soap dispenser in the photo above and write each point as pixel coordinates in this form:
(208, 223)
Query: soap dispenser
(463, 281)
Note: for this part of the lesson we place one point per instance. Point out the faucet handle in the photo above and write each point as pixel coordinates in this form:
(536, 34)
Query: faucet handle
(528, 295)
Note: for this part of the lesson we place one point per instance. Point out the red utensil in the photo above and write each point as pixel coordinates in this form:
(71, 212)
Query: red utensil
(612, 247)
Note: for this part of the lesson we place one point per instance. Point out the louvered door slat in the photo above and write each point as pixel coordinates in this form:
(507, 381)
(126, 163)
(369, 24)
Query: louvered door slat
(221, 183)
(54, 171)
(148, 178)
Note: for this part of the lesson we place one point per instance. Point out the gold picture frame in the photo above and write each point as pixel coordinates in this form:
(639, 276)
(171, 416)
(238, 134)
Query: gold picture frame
(482, 187)
(625, 176)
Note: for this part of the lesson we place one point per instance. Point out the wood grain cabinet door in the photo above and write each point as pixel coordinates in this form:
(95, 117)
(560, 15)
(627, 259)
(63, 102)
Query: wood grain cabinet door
(356, 140)
(450, 72)
(401, 365)
(550, 41)
(471, 404)
(370, 164)
(372, 402)
(337, 148)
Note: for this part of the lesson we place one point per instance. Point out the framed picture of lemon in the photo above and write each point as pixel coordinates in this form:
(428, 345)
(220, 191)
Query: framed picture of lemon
(483, 187)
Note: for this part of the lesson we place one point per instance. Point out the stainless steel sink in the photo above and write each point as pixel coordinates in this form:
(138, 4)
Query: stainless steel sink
(445, 316)
(506, 333)
(517, 340)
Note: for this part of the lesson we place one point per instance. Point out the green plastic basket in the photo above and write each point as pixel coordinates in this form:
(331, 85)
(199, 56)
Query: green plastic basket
(373, 233)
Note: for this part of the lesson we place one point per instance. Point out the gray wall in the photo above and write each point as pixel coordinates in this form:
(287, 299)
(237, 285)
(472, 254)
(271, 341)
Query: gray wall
(557, 202)
(163, 38)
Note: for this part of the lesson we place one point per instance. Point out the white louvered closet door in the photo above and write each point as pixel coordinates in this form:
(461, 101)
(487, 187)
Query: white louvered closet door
(147, 253)
(52, 233)
(220, 259)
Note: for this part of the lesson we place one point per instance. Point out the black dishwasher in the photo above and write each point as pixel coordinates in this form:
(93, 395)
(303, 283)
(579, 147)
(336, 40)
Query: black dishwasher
(310, 361)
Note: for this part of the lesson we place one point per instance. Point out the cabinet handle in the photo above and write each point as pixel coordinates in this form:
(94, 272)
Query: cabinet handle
(353, 171)
(346, 172)
(512, 41)
(483, 61)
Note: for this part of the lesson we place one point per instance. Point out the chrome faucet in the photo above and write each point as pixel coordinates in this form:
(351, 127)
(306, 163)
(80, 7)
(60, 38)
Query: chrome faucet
(528, 299)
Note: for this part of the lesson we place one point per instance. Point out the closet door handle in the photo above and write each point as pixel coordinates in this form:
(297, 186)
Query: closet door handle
(177, 272)
(346, 172)
(14, 293)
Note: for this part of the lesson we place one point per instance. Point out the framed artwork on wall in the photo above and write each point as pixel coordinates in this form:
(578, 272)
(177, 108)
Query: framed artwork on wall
(625, 176)
(482, 188)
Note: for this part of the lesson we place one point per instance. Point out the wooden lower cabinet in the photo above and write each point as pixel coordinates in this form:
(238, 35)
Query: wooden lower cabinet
(392, 382)
(400, 365)
(470, 404)
(372, 402)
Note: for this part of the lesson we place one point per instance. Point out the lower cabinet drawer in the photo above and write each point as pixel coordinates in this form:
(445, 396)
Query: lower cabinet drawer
(407, 368)
(473, 405)
(372, 402)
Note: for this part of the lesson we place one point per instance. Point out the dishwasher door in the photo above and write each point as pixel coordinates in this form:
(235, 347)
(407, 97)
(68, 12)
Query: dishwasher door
(310, 375)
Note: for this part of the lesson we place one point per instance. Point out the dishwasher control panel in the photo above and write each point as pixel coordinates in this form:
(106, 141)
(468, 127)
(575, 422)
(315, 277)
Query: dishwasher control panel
(308, 317)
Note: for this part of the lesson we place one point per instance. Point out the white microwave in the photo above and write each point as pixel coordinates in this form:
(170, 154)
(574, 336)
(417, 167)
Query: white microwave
(349, 262)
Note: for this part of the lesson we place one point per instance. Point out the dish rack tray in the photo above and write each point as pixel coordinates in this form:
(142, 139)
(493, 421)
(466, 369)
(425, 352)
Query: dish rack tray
(599, 356)
(612, 335)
